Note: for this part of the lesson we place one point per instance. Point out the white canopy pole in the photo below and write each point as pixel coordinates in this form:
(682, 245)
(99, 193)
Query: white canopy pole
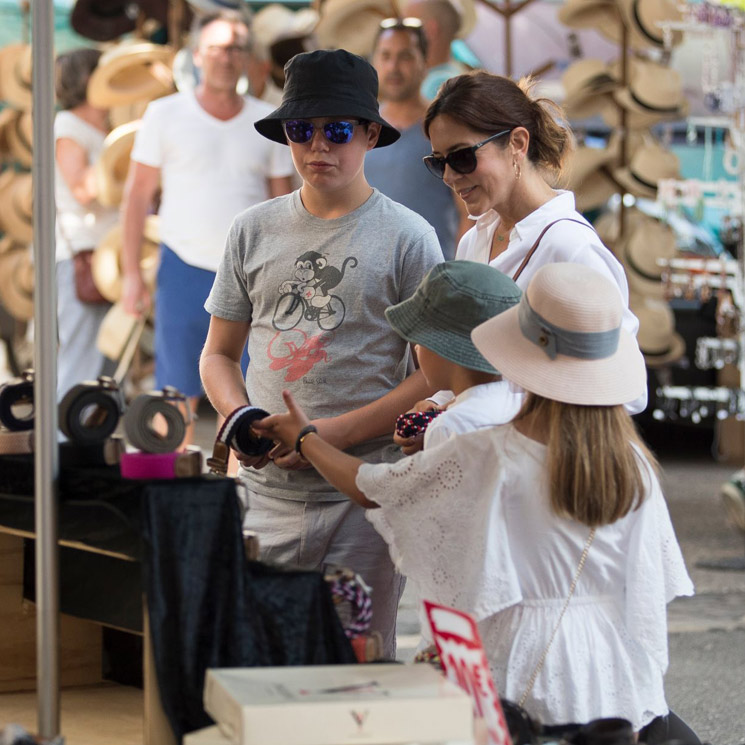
(45, 363)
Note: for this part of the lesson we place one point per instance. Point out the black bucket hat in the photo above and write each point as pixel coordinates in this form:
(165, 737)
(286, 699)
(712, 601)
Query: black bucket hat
(328, 83)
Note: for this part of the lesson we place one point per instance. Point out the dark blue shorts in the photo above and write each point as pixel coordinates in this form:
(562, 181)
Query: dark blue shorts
(181, 323)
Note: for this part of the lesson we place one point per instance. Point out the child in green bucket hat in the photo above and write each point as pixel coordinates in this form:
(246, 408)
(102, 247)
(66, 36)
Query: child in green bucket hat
(451, 300)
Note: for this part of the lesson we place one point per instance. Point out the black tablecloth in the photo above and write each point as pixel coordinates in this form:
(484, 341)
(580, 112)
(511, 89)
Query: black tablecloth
(208, 606)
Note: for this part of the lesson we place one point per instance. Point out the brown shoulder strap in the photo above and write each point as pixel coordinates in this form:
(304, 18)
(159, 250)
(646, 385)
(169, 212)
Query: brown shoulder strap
(538, 240)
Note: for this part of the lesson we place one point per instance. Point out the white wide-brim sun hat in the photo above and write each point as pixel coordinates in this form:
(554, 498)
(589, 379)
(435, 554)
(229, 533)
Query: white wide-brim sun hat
(564, 340)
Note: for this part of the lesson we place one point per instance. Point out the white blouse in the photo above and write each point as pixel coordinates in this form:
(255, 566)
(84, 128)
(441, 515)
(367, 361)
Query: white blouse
(470, 522)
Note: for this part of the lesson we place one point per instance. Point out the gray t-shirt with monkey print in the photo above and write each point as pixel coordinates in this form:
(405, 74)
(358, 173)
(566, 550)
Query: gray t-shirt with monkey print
(315, 292)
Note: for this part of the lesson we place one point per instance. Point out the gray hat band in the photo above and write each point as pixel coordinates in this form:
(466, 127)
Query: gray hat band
(583, 345)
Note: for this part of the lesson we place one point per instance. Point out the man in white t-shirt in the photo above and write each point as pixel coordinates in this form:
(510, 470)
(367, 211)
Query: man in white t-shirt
(202, 149)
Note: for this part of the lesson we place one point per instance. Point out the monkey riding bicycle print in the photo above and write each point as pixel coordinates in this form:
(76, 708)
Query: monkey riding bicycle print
(307, 294)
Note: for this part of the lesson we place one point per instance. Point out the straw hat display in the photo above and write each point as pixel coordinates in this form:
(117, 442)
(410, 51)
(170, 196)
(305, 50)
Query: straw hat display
(646, 244)
(106, 262)
(19, 132)
(659, 342)
(15, 75)
(17, 283)
(608, 225)
(352, 24)
(113, 164)
(650, 164)
(16, 210)
(587, 84)
(131, 72)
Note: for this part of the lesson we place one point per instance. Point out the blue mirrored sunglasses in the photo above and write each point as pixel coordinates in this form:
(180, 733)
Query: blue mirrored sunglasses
(461, 161)
(338, 133)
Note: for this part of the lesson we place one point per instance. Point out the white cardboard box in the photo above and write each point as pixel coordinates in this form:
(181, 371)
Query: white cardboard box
(383, 704)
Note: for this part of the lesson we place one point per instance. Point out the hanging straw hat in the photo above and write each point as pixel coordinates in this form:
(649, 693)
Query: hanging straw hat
(113, 164)
(590, 182)
(352, 24)
(649, 241)
(564, 340)
(106, 261)
(6, 117)
(19, 132)
(650, 164)
(587, 85)
(131, 72)
(16, 206)
(653, 90)
(589, 13)
(17, 283)
(15, 75)
(8, 244)
(657, 338)
(275, 21)
(608, 226)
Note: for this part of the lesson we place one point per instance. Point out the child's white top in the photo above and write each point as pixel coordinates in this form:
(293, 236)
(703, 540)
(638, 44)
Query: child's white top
(477, 407)
(470, 522)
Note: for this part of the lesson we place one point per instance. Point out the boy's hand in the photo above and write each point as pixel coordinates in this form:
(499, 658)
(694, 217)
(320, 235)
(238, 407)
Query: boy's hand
(411, 445)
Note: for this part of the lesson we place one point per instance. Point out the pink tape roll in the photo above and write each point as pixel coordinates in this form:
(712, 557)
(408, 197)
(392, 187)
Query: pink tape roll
(160, 465)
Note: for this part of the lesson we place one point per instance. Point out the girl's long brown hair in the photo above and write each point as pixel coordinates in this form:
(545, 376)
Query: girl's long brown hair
(594, 465)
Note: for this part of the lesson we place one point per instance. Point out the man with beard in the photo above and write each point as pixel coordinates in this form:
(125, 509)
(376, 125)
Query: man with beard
(397, 171)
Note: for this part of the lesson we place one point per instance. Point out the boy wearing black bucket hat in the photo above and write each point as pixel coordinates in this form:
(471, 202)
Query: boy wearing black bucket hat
(310, 275)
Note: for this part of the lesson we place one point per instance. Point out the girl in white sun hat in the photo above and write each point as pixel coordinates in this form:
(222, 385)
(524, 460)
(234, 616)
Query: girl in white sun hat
(551, 530)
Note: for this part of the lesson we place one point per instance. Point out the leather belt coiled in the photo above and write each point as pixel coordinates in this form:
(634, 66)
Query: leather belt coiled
(90, 411)
(138, 421)
(236, 433)
(15, 393)
(162, 465)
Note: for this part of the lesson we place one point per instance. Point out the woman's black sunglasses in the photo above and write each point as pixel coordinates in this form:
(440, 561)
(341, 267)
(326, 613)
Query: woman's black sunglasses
(301, 131)
(461, 161)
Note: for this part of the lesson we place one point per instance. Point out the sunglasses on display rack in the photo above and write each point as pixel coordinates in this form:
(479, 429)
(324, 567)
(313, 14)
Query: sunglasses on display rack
(461, 161)
(301, 131)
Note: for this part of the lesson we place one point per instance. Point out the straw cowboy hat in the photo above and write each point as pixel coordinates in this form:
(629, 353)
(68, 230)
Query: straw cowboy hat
(564, 340)
(352, 24)
(106, 261)
(15, 75)
(649, 241)
(131, 72)
(19, 132)
(274, 22)
(657, 338)
(649, 164)
(16, 210)
(653, 90)
(106, 20)
(17, 283)
(113, 164)
(587, 85)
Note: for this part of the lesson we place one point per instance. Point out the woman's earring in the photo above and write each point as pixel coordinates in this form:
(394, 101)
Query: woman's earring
(516, 166)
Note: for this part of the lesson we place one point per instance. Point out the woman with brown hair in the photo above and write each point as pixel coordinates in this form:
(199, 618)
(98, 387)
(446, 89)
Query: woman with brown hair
(502, 151)
(551, 530)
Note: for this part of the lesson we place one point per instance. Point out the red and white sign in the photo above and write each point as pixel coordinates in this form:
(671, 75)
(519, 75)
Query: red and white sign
(462, 653)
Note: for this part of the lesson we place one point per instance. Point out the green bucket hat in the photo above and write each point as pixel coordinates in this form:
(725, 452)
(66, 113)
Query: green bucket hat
(452, 299)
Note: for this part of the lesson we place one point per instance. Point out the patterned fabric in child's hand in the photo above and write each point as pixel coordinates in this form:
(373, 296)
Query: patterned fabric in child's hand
(415, 422)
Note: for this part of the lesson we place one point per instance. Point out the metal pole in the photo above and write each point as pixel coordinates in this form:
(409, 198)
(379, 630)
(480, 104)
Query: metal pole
(45, 362)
